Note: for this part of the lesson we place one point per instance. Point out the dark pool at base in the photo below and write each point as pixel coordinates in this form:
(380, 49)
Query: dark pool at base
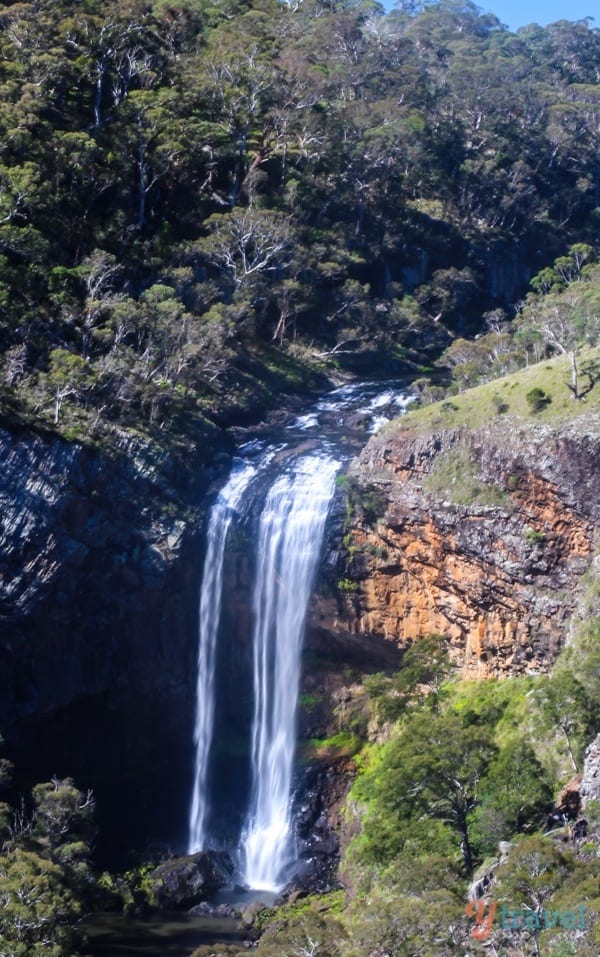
(166, 935)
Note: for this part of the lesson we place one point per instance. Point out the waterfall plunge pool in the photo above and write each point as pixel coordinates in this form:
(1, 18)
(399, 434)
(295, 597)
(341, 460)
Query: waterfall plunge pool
(171, 934)
(162, 935)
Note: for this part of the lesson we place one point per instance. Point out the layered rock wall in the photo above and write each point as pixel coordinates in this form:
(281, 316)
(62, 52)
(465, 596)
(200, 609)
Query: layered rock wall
(501, 579)
(100, 558)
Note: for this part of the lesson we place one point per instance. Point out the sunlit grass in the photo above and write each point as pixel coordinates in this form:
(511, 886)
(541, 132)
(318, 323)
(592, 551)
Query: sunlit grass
(505, 400)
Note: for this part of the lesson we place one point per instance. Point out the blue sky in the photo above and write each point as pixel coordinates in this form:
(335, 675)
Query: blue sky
(518, 13)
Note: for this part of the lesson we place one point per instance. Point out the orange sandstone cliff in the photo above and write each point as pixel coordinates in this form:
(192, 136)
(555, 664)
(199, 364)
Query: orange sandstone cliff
(478, 535)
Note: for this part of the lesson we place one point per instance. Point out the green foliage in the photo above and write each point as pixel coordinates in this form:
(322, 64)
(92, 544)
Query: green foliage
(537, 400)
(44, 870)
(262, 170)
(426, 669)
(515, 797)
(565, 319)
(580, 659)
(451, 783)
(564, 270)
(182, 189)
(343, 744)
(137, 889)
(500, 405)
(502, 705)
(565, 714)
(305, 932)
(475, 408)
(408, 923)
(364, 502)
(433, 769)
(38, 909)
(535, 869)
(61, 813)
(347, 585)
(309, 701)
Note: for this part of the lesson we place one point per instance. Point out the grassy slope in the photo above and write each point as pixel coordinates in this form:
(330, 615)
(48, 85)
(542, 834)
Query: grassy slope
(478, 406)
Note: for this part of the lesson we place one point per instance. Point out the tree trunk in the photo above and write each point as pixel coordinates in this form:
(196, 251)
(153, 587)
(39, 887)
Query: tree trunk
(465, 845)
(570, 752)
(141, 185)
(100, 71)
(574, 374)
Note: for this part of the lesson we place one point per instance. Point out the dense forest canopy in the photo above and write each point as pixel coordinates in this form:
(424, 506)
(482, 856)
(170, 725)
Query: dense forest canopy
(181, 182)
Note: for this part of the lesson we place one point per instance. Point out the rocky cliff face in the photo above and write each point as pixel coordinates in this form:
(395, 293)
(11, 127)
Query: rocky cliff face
(478, 535)
(99, 572)
(482, 537)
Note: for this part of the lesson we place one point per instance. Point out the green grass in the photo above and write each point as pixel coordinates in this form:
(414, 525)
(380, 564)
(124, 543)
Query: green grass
(477, 407)
(455, 476)
(342, 745)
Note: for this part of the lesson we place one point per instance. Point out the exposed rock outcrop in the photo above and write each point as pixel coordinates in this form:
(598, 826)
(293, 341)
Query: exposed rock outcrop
(500, 580)
(99, 571)
(100, 559)
(589, 789)
(184, 882)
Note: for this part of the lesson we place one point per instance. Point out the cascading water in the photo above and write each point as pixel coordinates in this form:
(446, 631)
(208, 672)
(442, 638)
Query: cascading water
(288, 489)
(211, 592)
(291, 532)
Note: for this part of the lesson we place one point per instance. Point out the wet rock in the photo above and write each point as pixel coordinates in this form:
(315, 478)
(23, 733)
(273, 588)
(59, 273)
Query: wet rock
(203, 909)
(187, 881)
(206, 909)
(317, 825)
(251, 912)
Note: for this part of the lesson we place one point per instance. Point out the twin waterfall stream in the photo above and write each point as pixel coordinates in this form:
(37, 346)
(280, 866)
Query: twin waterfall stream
(282, 492)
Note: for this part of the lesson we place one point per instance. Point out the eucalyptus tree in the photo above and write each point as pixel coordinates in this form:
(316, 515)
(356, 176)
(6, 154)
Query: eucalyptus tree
(434, 769)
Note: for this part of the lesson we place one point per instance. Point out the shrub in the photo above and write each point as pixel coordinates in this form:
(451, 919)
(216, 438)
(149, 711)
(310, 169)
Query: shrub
(537, 400)
(346, 585)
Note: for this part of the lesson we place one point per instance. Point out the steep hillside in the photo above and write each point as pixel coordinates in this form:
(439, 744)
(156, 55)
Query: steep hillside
(182, 184)
(481, 524)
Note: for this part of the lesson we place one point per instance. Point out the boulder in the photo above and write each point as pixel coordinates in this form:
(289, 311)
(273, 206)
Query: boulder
(184, 882)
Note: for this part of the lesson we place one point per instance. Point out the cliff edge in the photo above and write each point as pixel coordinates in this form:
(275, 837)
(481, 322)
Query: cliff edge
(483, 535)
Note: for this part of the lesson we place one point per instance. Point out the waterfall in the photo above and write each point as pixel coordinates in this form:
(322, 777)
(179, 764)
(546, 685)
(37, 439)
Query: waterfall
(290, 536)
(211, 590)
(286, 483)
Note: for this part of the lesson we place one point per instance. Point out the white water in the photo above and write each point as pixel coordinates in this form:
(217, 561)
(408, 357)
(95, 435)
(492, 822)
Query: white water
(378, 409)
(211, 591)
(290, 527)
(291, 532)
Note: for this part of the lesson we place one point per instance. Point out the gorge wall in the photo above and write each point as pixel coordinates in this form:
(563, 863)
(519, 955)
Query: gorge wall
(99, 572)
(480, 535)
